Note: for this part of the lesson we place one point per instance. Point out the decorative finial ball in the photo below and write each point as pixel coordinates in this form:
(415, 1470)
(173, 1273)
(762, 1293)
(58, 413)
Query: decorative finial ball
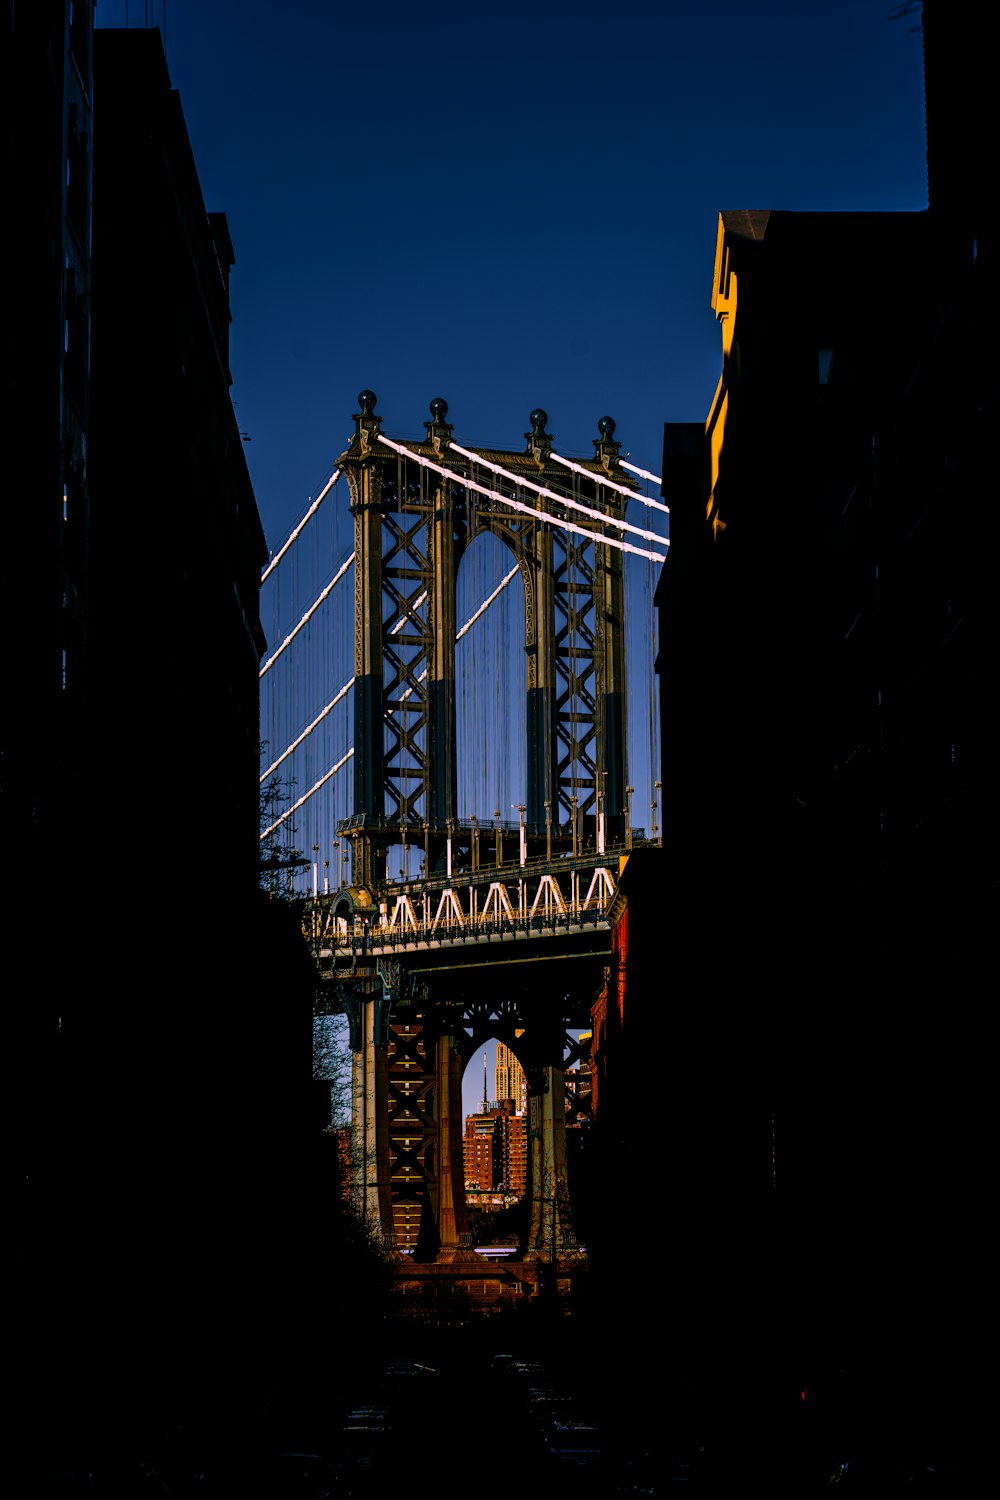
(439, 408)
(367, 400)
(606, 427)
(538, 418)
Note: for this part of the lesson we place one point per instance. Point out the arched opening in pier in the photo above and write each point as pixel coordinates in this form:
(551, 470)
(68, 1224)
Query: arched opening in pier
(495, 1149)
(496, 1142)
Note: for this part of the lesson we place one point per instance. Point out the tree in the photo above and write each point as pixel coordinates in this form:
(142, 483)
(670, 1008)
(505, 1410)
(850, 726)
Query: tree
(332, 1062)
(277, 865)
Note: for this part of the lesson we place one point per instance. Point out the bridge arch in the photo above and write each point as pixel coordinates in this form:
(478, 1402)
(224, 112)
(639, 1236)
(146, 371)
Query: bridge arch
(491, 682)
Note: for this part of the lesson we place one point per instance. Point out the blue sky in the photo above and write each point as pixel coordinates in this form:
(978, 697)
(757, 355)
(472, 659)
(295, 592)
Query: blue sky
(511, 206)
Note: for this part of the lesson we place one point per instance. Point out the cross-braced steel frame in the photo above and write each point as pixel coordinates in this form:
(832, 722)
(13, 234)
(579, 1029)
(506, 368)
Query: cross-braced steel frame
(412, 524)
(416, 508)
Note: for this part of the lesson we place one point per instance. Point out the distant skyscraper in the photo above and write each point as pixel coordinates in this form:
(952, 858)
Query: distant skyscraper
(511, 1142)
(478, 1152)
(496, 1140)
(495, 1152)
(510, 1080)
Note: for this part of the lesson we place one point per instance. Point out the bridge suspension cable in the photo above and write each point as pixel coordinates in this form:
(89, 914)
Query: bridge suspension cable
(307, 616)
(643, 474)
(486, 603)
(275, 560)
(408, 611)
(609, 484)
(347, 687)
(308, 731)
(469, 622)
(306, 795)
(577, 505)
(323, 713)
(529, 510)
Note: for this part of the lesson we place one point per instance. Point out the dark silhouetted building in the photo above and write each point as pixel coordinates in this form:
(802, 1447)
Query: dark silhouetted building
(827, 641)
(162, 1100)
(48, 128)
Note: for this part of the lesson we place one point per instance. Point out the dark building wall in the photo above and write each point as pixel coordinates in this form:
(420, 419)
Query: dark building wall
(825, 661)
(165, 1178)
(960, 129)
(827, 626)
(828, 734)
(175, 545)
(48, 137)
(825, 611)
(176, 541)
(47, 90)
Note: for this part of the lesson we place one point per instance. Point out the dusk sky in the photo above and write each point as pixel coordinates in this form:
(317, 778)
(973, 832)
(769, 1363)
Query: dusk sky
(512, 206)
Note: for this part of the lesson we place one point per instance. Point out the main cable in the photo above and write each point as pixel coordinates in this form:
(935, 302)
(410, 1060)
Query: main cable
(609, 484)
(547, 494)
(528, 510)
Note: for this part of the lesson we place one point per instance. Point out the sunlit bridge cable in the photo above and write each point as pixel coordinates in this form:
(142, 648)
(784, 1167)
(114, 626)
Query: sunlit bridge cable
(306, 795)
(540, 489)
(307, 616)
(487, 602)
(308, 731)
(275, 560)
(348, 686)
(528, 510)
(469, 623)
(340, 694)
(609, 484)
(643, 474)
(409, 610)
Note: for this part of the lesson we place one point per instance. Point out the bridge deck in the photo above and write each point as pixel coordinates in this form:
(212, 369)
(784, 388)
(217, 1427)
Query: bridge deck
(537, 909)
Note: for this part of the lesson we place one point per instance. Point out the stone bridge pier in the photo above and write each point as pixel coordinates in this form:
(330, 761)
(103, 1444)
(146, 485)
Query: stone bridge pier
(410, 1043)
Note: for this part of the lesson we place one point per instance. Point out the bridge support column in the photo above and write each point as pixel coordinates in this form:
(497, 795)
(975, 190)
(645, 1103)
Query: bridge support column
(610, 634)
(443, 788)
(551, 1237)
(364, 473)
(612, 702)
(453, 1238)
(541, 703)
(370, 1196)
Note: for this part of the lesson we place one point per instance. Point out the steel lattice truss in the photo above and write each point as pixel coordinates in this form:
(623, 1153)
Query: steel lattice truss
(417, 507)
(407, 585)
(577, 671)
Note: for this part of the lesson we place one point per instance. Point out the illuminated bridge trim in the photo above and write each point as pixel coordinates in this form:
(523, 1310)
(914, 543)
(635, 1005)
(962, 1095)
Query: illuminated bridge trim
(486, 915)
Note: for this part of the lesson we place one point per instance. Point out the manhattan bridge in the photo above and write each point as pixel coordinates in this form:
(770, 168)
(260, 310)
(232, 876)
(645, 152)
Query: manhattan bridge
(455, 773)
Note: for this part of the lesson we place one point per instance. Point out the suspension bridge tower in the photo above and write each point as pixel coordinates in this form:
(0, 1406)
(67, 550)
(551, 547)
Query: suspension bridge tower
(504, 932)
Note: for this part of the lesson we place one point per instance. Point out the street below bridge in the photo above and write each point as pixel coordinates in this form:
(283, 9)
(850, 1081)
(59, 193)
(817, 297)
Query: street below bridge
(539, 1405)
(479, 1409)
(495, 1407)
